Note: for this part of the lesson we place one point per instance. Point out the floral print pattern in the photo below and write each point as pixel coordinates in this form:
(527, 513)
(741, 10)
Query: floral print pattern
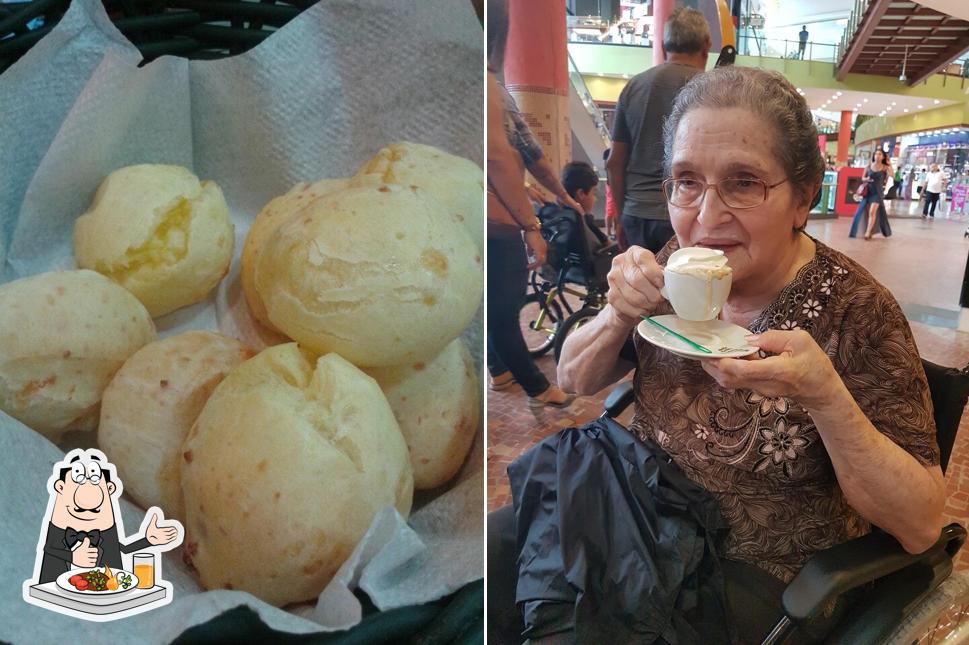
(811, 308)
(762, 457)
(768, 404)
(781, 444)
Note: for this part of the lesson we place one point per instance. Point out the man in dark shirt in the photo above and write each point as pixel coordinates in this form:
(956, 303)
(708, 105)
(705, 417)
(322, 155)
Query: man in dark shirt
(635, 165)
(803, 44)
(82, 532)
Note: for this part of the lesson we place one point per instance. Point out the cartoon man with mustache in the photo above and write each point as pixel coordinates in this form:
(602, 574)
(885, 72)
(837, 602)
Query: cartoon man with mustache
(84, 531)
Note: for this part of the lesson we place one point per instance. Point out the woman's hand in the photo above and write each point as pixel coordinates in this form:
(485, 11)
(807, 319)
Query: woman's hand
(538, 247)
(634, 283)
(567, 201)
(534, 195)
(800, 370)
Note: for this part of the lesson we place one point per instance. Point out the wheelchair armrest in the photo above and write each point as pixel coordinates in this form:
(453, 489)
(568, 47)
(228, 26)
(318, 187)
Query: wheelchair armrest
(832, 572)
(618, 400)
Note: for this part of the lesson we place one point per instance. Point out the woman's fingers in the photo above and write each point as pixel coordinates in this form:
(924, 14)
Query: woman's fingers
(627, 300)
(645, 263)
(768, 376)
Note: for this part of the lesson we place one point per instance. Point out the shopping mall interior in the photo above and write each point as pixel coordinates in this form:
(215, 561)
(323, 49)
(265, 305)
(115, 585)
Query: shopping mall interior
(891, 75)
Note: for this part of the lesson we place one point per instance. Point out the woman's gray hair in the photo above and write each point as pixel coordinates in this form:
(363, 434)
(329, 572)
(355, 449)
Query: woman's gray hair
(686, 32)
(771, 97)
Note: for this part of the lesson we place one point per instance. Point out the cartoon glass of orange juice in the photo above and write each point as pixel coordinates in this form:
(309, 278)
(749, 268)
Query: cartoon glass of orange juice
(145, 570)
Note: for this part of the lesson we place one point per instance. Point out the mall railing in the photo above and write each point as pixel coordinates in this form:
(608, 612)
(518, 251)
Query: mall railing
(854, 20)
(590, 105)
(755, 45)
(959, 67)
(749, 45)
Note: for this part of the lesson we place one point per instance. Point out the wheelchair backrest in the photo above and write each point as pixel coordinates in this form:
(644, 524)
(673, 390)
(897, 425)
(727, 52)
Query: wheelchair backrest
(570, 239)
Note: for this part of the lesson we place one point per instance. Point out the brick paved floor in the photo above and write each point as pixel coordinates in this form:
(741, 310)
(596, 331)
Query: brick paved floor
(922, 264)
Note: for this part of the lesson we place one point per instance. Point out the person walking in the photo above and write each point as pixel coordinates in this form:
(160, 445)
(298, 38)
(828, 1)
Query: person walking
(802, 45)
(871, 210)
(933, 188)
(511, 148)
(635, 164)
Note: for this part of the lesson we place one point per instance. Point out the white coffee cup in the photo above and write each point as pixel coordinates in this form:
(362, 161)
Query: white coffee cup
(696, 289)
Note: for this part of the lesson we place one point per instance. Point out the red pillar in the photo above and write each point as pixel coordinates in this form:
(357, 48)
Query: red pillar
(661, 11)
(823, 145)
(844, 138)
(537, 75)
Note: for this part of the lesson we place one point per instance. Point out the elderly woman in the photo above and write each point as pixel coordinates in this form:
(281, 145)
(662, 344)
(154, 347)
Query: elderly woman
(806, 447)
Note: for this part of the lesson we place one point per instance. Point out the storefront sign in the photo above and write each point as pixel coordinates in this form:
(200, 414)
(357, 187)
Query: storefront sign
(959, 198)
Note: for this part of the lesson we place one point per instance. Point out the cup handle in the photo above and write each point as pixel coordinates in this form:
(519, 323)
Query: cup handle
(663, 292)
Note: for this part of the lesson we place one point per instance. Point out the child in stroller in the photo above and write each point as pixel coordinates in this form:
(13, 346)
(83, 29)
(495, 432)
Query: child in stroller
(576, 245)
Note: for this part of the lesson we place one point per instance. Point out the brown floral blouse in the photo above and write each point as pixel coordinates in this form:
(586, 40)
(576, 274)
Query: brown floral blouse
(762, 458)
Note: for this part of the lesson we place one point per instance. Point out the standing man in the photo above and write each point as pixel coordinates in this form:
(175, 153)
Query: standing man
(635, 165)
(803, 44)
(933, 187)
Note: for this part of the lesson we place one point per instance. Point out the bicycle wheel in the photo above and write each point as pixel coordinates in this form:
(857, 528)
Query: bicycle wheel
(573, 322)
(539, 324)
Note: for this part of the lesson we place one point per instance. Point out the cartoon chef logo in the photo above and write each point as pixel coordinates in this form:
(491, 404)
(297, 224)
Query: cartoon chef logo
(86, 566)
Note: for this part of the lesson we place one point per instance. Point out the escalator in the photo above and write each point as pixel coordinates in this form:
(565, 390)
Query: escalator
(590, 136)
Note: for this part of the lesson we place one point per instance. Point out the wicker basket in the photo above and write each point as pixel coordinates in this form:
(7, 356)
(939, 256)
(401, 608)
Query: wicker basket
(190, 28)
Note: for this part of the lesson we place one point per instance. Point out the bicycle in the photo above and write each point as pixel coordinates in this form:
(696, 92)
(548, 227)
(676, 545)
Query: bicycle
(548, 316)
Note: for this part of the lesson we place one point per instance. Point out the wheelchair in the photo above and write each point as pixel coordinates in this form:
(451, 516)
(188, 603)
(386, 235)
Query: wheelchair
(577, 266)
(908, 599)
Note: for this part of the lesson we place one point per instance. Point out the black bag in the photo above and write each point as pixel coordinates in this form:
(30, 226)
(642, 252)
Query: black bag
(560, 228)
(615, 543)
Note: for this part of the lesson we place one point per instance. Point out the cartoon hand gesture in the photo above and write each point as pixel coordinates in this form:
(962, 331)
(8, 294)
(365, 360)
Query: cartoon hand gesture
(85, 556)
(159, 535)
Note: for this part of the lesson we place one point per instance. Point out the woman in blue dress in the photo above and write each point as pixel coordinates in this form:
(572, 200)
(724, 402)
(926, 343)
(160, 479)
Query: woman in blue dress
(872, 207)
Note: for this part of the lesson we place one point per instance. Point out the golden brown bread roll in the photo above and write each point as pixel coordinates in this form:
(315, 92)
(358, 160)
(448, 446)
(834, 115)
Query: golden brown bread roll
(150, 405)
(284, 470)
(267, 221)
(159, 232)
(437, 405)
(454, 181)
(378, 273)
(63, 335)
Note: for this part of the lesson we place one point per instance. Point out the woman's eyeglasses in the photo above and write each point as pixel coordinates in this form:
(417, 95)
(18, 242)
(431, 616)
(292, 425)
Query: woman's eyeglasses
(735, 192)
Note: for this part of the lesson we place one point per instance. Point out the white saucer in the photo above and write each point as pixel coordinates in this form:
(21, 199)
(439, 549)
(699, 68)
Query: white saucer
(723, 339)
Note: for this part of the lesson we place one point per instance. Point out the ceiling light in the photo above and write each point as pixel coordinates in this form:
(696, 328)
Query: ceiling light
(902, 78)
(905, 110)
(889, 108)
(920, 107)
(837, 93)
(865, 101)
(937, 101)
(893, 103)
(625, 75)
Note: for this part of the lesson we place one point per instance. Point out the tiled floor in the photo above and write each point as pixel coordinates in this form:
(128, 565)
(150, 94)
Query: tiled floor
(922, 263)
